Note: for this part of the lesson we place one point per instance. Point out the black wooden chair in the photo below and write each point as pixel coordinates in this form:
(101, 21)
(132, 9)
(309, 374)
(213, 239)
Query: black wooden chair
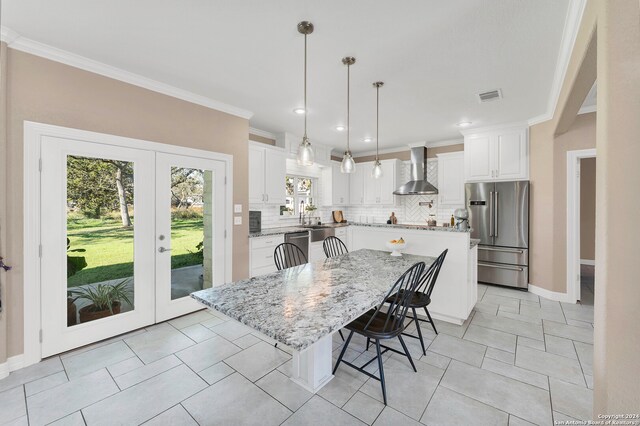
(421, 298)
(378, 324)
(333, 246)
(288, 255)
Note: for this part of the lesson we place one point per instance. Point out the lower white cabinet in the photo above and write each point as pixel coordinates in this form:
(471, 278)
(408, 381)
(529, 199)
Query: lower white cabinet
(261, 254)
(451, 179)
(344, 236)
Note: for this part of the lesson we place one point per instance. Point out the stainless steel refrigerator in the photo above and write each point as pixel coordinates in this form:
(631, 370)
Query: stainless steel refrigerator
(499, 218)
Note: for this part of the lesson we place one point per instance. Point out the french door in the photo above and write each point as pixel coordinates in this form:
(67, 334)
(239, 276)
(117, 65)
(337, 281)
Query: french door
(126, 235)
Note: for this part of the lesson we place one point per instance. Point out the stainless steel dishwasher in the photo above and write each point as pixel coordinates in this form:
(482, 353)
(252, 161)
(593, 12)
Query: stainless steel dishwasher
(301, 239)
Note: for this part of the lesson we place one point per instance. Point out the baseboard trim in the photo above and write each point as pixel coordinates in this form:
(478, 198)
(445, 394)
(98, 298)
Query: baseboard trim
(551, 295)
(11, 364)
(588, 262)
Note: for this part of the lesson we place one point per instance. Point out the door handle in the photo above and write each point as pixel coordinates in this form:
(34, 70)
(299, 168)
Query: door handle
(516, 251)
(491, 218)
(162, 249)
(510, 268)
(495, 215)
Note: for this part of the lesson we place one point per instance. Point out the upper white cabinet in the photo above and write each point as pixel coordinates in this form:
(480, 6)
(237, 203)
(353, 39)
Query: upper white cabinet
(267, 171)
(451, 179)
(356, 185)
(380, 191)
(290, 143)
(335, 186)
(497, 155)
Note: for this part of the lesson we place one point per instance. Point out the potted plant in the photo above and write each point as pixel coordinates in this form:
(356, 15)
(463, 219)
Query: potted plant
(105, 299)
(74, 265)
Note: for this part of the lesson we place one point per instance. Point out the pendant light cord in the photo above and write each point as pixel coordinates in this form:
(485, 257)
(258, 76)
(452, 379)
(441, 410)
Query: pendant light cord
(348, 110)
(377, 119)
(305, 86)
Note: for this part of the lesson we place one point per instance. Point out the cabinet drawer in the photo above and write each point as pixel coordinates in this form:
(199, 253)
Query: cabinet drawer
(268, 241)
(262, 257)
(263, 270)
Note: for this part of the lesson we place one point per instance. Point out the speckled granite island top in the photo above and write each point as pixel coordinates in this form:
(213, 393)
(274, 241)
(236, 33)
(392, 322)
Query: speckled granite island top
(298, 306)
(409, 226)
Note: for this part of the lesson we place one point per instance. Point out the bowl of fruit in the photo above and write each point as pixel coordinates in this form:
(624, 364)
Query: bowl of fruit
(395, 246)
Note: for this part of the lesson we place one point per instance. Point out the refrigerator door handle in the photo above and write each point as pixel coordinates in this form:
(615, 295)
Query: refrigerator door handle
(491, 214)
(495, 215)
(507, 267)
(502, 250)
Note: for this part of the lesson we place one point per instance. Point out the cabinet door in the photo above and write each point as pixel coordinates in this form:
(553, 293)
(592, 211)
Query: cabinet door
(256, 174)
(451, 179)
(511, 154)
(388, 182)
(356, 186)
(340, 186)
(478, 164)
(275, 172)
(371, 188)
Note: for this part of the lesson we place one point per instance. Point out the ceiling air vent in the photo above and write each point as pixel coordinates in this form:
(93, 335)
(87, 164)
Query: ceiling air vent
(491, 95)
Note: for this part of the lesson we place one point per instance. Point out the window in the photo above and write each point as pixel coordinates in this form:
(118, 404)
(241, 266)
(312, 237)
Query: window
(299, 191)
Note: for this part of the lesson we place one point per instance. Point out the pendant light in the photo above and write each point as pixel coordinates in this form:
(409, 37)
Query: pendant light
(348, 165)
(305, 152)
(377, 167)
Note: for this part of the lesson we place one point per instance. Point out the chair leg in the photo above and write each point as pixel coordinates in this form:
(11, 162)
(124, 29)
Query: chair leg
(415, 316)
(431, 320)
(344, 349)
(381, 369)
(368, 341)
(406, 352)
(341, 335)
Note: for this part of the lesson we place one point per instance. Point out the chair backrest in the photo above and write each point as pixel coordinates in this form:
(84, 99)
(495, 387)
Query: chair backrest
(428, 280)
(398, 299)
(288, 255)
(333, 246)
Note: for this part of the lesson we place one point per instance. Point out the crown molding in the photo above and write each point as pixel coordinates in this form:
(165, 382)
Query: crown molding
(17, 42)
(262, 133)
(8, 35)
(406, 147)
(447, 142)
(517, 124)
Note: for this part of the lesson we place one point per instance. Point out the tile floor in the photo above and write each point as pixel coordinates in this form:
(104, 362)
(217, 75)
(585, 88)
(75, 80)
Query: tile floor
(519, 359)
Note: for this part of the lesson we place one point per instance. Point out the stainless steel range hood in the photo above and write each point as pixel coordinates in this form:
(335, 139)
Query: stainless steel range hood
(418, 185)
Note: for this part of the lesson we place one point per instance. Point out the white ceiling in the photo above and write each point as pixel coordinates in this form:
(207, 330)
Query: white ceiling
(434, 57)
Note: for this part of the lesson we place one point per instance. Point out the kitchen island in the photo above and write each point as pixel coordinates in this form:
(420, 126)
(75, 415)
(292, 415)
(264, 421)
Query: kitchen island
(456, 291)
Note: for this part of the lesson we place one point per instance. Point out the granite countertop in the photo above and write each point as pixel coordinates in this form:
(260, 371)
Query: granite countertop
(300, 305)
(407, 226)
(287, 229)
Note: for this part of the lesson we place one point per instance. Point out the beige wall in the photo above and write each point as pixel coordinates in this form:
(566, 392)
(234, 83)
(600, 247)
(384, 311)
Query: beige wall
(548, 176)
(261, 139)
(49, 92)
(3, 200)
(406, 155)
(617, 291)
(588, 208)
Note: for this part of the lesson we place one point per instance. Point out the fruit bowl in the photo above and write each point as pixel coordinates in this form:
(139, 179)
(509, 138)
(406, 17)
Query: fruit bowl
(396, 247)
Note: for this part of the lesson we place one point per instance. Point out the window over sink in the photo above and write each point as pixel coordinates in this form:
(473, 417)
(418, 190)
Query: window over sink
(300, 194)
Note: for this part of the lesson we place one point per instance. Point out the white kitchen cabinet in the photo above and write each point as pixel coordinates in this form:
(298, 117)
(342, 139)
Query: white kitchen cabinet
(344, 236)
(380, 191)
(261, 254)
(267, 171)
(497, 155)
(290, 143)
(316, 252)
(356, 185)
(451, 179)
(335, 186)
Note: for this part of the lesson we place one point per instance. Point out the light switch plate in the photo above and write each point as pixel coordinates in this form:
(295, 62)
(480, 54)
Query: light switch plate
(237, 220)
(237, 208)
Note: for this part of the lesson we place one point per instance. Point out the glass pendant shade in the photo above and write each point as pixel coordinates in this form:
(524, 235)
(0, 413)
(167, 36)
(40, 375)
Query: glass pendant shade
(305, 153)
(348, 165)
(376, 173)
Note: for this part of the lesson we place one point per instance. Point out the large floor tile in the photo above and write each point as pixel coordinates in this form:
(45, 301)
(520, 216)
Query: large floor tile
(257, 360)
(231, 330)
(123, 367)
(585, 355)
(96, 359)
(176, 416)
(339, 390)
(560, 346)
(198, 332)
(508, 325)
(216, 372)
(145, 372)
(578, 312)
(517, 373)
(501, 301)
(12, 405)
(364, 407)
(191, 319)
(158, 343)
(462, 350)
(436, 360)
(207, 353)
(391, 417)
(145, 400)
(233, 401)
(578, 334)
(514, 397)
(486, 307)
(507, 292)
(34, 372)
(283, 389)
(498, 355)
(494, 338)
(517, 421)
(531, 343)
(552, 365)
(317, 412)
(74, 419)
(553, 314)
(45, 383)
(572, 400)
(58, 402)
(449, 408)
(519, 317)
(407, 391)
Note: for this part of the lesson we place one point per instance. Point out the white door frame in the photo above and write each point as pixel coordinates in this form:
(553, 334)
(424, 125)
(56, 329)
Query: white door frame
(33, 134)
(573, 220)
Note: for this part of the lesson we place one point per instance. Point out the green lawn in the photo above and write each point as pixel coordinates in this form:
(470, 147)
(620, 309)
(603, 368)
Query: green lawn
(109, 247)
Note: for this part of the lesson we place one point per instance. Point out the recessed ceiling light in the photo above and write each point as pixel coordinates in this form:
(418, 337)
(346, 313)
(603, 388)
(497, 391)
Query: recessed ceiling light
(464, 124)
(299, 111)
(340, 128)
(367, 140)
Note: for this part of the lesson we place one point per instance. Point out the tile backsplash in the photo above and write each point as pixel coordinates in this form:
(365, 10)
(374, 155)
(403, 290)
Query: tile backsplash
(407, 210)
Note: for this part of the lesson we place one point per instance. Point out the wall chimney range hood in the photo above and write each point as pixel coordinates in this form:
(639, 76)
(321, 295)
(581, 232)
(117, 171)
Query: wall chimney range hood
(418, 185)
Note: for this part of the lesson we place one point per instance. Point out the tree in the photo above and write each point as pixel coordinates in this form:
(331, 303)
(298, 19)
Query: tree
(187, 186)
